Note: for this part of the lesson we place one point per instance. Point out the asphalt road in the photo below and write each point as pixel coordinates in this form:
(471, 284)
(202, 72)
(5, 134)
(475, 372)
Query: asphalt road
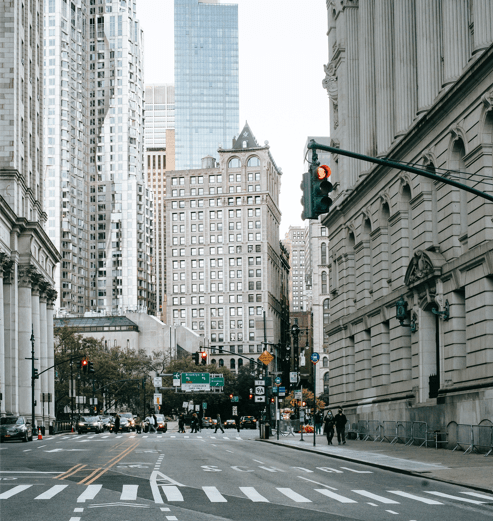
(207, 476)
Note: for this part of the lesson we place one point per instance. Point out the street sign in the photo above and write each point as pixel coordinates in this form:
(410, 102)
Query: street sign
(93, 401)
(185, 405)
(158, 381)
(298, 395)
(235, 410)
(204, 405)
(235, 399)
(315, 357)
(195, 382)
(176, 380)
(278, 380)
(282, 389)
(259, 399)
(158, 398)
(266, 358)
(259, 390)
(293, 377)
(274, 390)
(259, 382)
(217, 380)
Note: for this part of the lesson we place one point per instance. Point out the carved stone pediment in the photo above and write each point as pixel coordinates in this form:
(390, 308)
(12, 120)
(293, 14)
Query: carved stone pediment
(423, 266)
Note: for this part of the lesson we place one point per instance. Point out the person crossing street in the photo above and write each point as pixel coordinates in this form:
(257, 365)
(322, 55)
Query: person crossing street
(219, 424)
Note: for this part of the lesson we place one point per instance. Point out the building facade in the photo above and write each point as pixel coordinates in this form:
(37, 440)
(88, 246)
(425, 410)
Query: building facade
(27, 256)
(225, 265)
(411, 81)
(206, 79)
(159, 113)
(100, 213)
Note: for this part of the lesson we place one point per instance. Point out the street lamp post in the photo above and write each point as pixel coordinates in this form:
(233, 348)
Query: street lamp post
(33, 380)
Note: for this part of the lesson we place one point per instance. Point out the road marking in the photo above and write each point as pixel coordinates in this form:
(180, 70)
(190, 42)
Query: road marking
(335, 496)
(53, 491)
(253, 495)
(129, 492)
(448, 496)
(90, 493)
(27, 472)
(171, 518)
(87, 478)
(230, 451)
(316, 482)
(291, 494)
(133, 505)
(302, 468)
(271, 469)
(214, 495)
(71, 471)
(172, 493)
(165, 509)
(392, 512)
(27, 450)
(74, 519)
(376, 498)
(416, 498)
(329, 469)
(225, 438)
(41, 446)
(358, 471)
(78, 510)
(14, 491)
(111, 463)
(475, 494)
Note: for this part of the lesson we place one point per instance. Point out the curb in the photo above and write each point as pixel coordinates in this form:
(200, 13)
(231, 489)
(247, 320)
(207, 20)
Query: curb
(378, 465)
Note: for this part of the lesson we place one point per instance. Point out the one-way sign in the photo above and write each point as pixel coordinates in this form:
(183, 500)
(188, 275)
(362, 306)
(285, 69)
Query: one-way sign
(259, 399)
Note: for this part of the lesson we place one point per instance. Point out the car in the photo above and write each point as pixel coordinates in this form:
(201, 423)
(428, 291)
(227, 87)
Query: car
(15, 428)
(131, 421)
(106, 422)
(89, 424)
(248, 422)
(206, 422)
(229, 424)
(162, 425)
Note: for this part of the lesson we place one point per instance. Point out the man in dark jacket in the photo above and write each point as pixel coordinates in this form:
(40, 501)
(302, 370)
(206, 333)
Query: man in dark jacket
(341, 420)
(116, 425)
(237, 422)
(181, 423)
(329, 427)
(219, 424)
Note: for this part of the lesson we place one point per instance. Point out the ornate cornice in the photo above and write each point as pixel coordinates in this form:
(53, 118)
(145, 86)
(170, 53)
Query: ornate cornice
(51, 296)
(423, 266)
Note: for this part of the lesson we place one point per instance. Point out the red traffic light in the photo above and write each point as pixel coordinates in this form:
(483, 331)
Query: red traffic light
(203, 354)
(83, 363)
(323, 172)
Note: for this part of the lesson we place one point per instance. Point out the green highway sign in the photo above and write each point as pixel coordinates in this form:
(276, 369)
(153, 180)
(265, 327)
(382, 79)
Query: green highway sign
(195, 382)
(217, 381)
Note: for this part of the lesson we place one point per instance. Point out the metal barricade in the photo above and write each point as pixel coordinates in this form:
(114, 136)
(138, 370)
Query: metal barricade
(404, 432)
(60, 426)
(390, 431)
(485, 438)
(420, 433)
(464, 437)
(289, 427)
(362, 430)
(374, 430)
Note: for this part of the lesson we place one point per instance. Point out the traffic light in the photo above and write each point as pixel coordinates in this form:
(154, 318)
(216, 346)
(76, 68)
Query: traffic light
(91, 368)
(306, 200)
(195, 358)
(83, 365)
(203, 356)
(35, 374)
(252, 364)
(321, 188)
(304, 404)
(250, 396)
(272, 400)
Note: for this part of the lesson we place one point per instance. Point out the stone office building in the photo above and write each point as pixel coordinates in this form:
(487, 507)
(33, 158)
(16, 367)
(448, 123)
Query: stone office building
(411, 81)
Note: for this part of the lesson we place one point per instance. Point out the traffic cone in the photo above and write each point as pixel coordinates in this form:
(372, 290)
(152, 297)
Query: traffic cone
(40, 437)
(73, 429)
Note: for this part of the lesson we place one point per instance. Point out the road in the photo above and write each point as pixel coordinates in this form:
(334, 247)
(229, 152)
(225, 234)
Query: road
(207, 476)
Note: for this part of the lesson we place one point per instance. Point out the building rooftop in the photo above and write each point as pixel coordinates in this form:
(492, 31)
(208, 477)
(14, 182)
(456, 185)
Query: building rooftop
(103, 323)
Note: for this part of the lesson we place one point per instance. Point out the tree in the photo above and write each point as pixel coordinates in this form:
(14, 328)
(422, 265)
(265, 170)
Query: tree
(307, 396)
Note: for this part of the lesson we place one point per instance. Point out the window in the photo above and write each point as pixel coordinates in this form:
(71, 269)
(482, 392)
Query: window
(254, 161)
(323, 254)
(324, 282)
(234, 163)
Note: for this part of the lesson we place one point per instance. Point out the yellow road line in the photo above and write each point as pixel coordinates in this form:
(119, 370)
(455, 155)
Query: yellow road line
(125, 453)
(89, 476)
(71, 471)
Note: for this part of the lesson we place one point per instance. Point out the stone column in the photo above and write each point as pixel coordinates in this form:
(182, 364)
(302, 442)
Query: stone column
(10, 338)
(429, 64)
(405, 65)
(3, 260)
(43, 353)
(51, 296)
(455, 39)
(24, 308)
(483, 25)
(384, 74)
(368, 138)
(353, 142)
(35, 278)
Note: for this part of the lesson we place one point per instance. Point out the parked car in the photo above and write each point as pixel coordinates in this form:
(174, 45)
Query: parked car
(206, 422)
(230, 424)
(248, 422)
(89, 424)
(15, 428)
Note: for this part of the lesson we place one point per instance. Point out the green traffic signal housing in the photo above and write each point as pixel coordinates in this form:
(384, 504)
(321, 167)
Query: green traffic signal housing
(306, 200)
(35, 374)
(91, 367)
(195, 357)
(316, 187)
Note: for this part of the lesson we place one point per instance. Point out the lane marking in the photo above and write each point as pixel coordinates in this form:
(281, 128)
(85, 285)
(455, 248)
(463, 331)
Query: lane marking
(291, 494)
(392, 512)
(125, 453)
(172, 518)
(358, 471)
(71, 471)
(316, 482)
(329, 469)
(214, 495)
(475, 494)
(53, 491)
(129, 492)
(27, 472)
(335, 496)
(83, 481)
(14, 491)
(253, 495)
(416, 498)
(448, 496)
(376, 497)
(303, 469)
(172, 493)
(90, 493)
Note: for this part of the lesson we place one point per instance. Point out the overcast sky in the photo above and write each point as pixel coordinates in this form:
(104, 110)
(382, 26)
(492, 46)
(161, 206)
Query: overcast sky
(283, 47)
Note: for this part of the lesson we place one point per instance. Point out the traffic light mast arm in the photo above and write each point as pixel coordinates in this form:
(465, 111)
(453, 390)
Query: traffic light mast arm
(400, 166)
(60, 363)
(238, 354)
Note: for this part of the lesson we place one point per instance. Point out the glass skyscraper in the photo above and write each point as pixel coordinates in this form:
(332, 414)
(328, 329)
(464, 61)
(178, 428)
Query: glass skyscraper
(206, 79)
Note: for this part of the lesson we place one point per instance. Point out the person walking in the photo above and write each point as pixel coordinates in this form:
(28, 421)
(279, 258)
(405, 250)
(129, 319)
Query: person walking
(116, 425)
(340, 421)
(318, 419)
(181, 423)
(219, 424)
(152, 425)
(329, 427)
(138, 424)
(193, 423)
(237, 422)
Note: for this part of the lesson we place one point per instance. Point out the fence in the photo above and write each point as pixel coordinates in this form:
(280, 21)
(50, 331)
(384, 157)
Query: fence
(469, 438)
(60, 426)
(289, 427)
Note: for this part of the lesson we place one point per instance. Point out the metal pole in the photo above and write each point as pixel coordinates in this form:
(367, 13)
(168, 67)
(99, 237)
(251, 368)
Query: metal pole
(144, 386)
(303, 412)
(314, 403)
(72, 392)
(277, 413)
(93, 394)
(33, 381)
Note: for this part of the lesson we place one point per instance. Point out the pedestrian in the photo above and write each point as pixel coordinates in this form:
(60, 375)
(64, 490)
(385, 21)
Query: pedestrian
(116, 425)
(198, 424)
(138, 424)
(318, 419)
(181, 423)
(237, 422)
(219, 424)
(341, 420)
(329, 427)
(152, 425)
(193, 423)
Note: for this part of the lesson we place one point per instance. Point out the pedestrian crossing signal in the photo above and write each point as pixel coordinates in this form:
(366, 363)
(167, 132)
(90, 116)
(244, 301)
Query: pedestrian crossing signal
(203, 356)
(83, 365)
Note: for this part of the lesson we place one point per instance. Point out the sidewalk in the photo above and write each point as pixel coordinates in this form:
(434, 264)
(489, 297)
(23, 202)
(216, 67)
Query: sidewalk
(469, 470)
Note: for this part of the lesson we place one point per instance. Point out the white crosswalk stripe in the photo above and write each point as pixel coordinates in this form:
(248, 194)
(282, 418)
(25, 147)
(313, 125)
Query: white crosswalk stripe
(253, 495)
(14, 491)
(475, 494)
(335, 496)
(214, 495)
(291, 494)
(416, 498)
(90, 493)
(456, 498)
(381, 499)
(129, 492)
(172, 493)
(53, 491)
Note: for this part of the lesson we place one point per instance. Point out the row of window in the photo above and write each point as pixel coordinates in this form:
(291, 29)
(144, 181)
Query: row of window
(217, 287)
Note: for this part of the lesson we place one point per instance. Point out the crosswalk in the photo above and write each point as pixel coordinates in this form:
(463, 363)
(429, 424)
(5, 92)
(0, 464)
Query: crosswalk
(175, 494)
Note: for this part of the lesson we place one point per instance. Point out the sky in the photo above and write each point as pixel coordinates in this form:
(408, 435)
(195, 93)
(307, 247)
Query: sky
(283, 47)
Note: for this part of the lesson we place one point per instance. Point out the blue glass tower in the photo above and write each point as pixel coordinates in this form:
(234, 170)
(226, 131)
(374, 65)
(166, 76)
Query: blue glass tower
(206, 79)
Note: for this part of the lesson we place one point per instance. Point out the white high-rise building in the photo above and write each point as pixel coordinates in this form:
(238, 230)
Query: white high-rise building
(100, 212)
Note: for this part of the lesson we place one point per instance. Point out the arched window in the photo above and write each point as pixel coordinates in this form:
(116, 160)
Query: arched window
(213, 361)
(326, 383)
(234, 163)
(232, 364)
(240, 362)
(324, 283)
(325, 361)
(221, 362)
(323, 254)
(254, 161)
(457, 163)
(326, 307)
(406, 199)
